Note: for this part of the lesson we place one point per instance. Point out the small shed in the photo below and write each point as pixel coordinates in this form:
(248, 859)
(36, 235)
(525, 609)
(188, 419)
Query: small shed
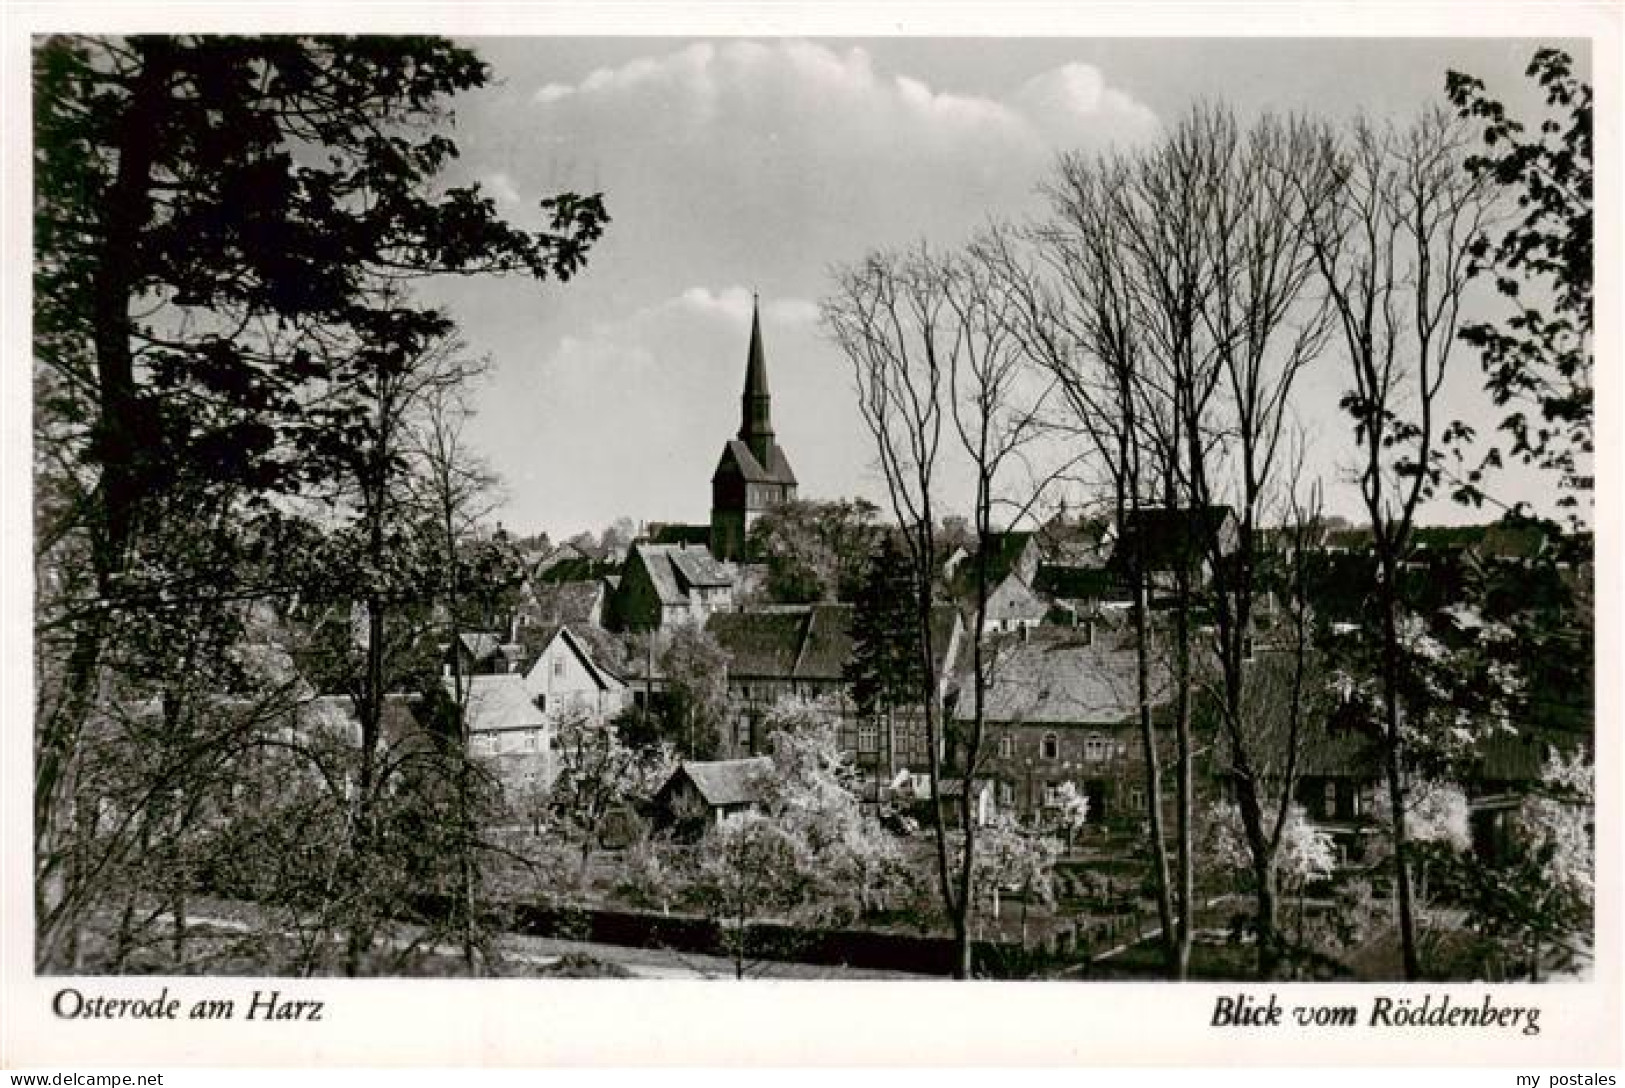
(701, 793)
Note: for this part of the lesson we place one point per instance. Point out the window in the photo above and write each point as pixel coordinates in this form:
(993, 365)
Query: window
(1050, 746)
(1095, 748)
(1007, 746)
(868, 737)
(541, 703)
(558, 667)
(1052, 795)
(1007, 795)
(1328, 800)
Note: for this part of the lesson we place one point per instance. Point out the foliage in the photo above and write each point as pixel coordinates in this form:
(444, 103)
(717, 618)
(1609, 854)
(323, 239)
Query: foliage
(1541, 895)
(597, 775)
(1016, 858)
(885, 668)
(853, 865)
(815, 551)
(1071, 811)
(695, 713)
(1538, 357)
(1306, 853)
(749, 867)
(226, 229)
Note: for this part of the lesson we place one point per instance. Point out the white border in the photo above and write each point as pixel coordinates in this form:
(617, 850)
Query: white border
(422, 1022)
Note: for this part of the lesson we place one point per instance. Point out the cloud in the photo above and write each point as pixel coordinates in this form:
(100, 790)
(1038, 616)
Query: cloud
(629, 415)
(827, 98)
(726, 168)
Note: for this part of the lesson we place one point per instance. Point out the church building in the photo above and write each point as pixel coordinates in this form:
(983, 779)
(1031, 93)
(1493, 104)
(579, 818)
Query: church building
(753, 474)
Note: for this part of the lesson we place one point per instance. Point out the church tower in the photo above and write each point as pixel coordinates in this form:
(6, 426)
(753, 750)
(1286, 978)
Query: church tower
(753, 474)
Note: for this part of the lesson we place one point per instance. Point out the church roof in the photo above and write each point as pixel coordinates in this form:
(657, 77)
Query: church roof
(752, 470)
(756, 363)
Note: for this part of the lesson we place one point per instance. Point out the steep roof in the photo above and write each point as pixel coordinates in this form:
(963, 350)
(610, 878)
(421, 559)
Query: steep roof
(803, 642)
(1063, 677)
(662, 533)
(737, 454)
(1075, 583)
(698, 567)
(479, 645)
(569, 602)
(756, 361)
(728, 781)
(827, 644)
(499, 702)
(675, 568)
(760, 642)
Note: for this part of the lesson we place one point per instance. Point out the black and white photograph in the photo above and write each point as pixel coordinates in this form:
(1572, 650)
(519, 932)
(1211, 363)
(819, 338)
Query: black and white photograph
(1060, 509)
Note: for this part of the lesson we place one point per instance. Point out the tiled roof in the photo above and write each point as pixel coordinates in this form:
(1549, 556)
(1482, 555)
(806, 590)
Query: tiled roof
(698, 567)
(752, 470)
(802, 642)
(569, 602)
(728, 781)
(680, 534)
(499, 702)
(760, 643)
(479, 645)
(673, 569)
(1063, 677)
(1075, 583)
(827, 644)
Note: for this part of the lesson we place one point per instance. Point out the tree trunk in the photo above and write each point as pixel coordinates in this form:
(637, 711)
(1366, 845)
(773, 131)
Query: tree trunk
(1393, 769)
(1183, 785)
(1153, 776)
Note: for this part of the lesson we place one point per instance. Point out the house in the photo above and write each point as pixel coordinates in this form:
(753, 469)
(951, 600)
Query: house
(753, 475)
(664, 585)
(576, 604)
(1074, 543)
(564, 681)
(513, 718)
(701, 794)
(1062, 705)
(508, 732)
(482, 653)
(1012, 560)
(803, 651)
(1013, 604)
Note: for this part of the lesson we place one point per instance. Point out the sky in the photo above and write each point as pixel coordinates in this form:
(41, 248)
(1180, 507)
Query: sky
(734, 166)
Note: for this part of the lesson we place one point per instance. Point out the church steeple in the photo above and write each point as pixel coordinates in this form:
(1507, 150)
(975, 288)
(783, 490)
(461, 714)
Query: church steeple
(752, 475)
(756, 422)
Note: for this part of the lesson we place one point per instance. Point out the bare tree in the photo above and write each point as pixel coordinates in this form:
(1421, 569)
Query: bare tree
(1392, 243)
(933, 342)
(457, 489)
(1163, 212)
(1080, 323)
(1265, 323)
